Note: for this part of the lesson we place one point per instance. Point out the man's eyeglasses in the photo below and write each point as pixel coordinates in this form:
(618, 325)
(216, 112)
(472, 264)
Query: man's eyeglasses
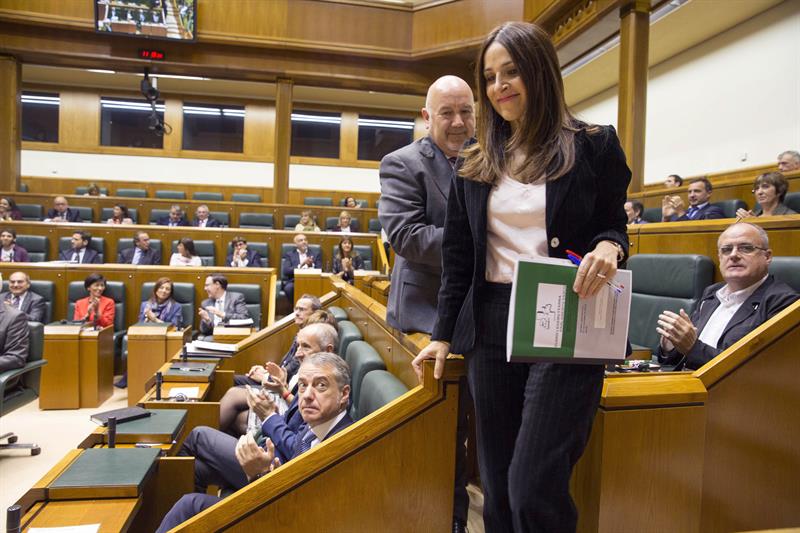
(744, 249)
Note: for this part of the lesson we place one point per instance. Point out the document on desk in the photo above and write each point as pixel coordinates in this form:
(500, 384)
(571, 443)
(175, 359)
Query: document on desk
(547, 321)
(88, 528)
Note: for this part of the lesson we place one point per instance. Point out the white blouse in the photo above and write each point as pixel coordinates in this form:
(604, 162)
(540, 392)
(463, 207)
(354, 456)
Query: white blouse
(179, 260)
(517, 226)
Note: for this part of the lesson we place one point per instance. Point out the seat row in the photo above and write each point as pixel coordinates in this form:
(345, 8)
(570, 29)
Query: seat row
(728, 207)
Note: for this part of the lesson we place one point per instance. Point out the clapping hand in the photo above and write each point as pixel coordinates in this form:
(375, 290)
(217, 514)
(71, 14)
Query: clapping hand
(254, 460)
(677, 331)
(744, 213)
(257, 373)
(275, 378)
(260, 403)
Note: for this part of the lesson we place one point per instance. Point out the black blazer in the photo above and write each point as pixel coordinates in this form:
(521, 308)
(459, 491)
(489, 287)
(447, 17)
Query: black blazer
(291, 260)
(253, 259)
(584, 207)
(707, 212)
(164, 221)
(89, 256)
(210, 223)
(72, 215)
(150, 256)
(766, 301)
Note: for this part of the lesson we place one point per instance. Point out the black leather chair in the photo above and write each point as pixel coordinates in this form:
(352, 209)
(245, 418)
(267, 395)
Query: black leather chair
(87, 213)
(362, 359)
(729, 207)
(44, 288)
(787, 270)
(207, 196)
(256, 220)
(378, 388)
(38, 247)
(348, 332)
(155, 244)
(375, 225)
(32, 212)
(155, 214)
(364, 250)
(108, 212)
(290, 221)
(318, 200)
(261, 247)
(664, 282)
(252, 299)
(246, 197)
(204, 249)
(132, 193)
(792, 201)
(98, 244)
(171, 195)
(652, 214)
(332, 222)
(116, 291)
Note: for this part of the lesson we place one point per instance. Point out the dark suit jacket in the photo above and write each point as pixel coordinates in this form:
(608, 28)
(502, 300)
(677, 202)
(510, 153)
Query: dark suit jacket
(357, 263)
(415, 182)
(164, 221)
(584, 207)
(20, 254)
(708, 212)
(151, 256)
(282, 430)
(72, 215)
(235, 307)
(342, 424)
(89, 256)
(14, 338)
(291, 260)
(768, 300)
(33, 305)
(210, 223)
(253, 259)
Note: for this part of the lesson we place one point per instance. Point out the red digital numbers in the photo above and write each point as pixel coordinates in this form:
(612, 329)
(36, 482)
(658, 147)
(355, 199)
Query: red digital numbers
(145, 53)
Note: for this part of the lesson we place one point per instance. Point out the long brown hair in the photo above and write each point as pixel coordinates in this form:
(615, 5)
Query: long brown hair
(547, 129)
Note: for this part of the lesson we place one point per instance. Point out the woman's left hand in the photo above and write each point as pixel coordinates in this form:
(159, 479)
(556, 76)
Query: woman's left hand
(597, 267)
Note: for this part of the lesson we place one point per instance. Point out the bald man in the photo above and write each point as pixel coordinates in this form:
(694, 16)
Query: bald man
(415, 182)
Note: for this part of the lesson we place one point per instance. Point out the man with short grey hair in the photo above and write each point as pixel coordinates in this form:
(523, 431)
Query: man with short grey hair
(20, 297)
(727, 311)
(789, 161)
(141, 253)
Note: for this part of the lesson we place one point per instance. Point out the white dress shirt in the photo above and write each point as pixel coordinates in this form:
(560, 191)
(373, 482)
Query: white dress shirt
(729, 303)
(322, 430)
(220, 306)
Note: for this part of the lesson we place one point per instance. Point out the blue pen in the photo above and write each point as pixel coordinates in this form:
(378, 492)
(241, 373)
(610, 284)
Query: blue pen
(576, 260)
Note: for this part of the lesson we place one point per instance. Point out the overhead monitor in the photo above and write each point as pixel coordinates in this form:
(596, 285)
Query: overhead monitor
(154, 19)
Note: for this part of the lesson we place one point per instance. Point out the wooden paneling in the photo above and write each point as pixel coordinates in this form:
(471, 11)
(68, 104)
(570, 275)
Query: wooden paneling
(10, 122)
(173, 115)
(283, 141)
(348, 147)
(259, 131)
(79, 119)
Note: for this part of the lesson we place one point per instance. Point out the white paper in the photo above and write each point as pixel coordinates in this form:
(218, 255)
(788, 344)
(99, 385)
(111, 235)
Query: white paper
(88, 528)
(235, 322)
(189, 392)
(200, 346)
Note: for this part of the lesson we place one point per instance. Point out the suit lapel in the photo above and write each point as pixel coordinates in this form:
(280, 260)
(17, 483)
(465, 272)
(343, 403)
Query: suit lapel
(442, 171)
(706, 309)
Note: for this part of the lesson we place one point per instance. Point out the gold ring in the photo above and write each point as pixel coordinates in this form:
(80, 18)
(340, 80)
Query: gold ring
(601, 276)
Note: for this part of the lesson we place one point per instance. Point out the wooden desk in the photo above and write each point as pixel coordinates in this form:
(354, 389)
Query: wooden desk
(230, 335)
(113, 515)
(149, 347)
(81, 367)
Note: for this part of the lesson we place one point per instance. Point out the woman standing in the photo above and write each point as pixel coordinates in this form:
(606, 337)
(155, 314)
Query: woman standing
(161, 306)
(537, 182)
(347, 260)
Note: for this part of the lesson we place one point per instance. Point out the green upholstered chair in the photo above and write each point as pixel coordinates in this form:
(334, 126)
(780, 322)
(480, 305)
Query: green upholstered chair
(729, 207)
(23, 187)
(364, 250)
(252, 299)
(348, 332)
(338, 313)
(84, 190)
(332, 222)
(378, 388)
(787, 270)
(318, 200)
(132, 193)
(38, 247)
(375, 225)
(290, 221)
(362, 359)
(98, 244)
(256, 220)
(246, 197)
(87, 213)
(205, 249)
(32, 212)
(793, 201)
(108, 212)
(155, 214)
(261, 247)
(664, 282)
(21, 385)
(224, 217)
(207, 196)
(155, 244)
(652, 214)
(171, 195)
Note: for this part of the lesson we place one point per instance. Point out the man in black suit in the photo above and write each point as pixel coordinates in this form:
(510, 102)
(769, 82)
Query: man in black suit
(301, 257)
(727, 311)
(14, 338)
(324, 393)
(175, 218)
(141, 253)
(699, 192)
(241, 255)
(221, 305)
(79, 251)
(203, 220)
(61, 212)
(415, 182)
(19, 296)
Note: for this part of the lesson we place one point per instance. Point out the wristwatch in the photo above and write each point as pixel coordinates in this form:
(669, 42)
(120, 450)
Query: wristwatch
(620, 250)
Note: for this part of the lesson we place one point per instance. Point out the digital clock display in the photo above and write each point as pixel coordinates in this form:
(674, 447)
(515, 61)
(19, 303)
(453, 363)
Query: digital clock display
(149, 53)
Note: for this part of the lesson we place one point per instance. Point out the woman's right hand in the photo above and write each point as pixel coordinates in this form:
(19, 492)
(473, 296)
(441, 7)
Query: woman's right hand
(436, 350)
(743, 213)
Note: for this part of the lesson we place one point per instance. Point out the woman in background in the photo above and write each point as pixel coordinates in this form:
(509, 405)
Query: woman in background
(185, 256)
(95, 308)
(347, 260)
(120, 215)
(161, 307)
(770, 193)
(306, 223)
(9, 210)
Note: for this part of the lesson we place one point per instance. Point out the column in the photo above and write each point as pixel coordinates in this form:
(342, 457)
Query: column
(10, 122)
(283, 140)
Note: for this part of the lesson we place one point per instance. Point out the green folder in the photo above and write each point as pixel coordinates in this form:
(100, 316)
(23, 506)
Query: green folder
(192, 372)
(105, 473)
(162, 426)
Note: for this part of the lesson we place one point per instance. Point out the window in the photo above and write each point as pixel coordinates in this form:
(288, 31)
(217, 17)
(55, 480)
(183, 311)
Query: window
(213, 128)
(40, 117)
(378, 136)
(127, 122)
(316, 134)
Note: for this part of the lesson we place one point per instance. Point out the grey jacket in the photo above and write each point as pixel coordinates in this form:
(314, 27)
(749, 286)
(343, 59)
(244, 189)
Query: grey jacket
(14, 338)
(33, 305)
(234, 308)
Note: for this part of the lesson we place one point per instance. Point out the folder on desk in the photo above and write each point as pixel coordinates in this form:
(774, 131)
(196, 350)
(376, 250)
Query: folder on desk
(124, 414)
(105, 473)
(162, 426)
(190, 372)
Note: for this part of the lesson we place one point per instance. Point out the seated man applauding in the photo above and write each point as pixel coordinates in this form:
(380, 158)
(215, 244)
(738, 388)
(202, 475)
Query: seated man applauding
(727, 311)
(324, 393)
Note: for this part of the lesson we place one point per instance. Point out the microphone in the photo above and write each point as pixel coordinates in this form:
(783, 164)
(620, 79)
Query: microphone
(112, 431)
(159, 381)
(13, 516)
(185, 354)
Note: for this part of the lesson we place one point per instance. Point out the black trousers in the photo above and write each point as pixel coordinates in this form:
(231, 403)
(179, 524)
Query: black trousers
(533, 422)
